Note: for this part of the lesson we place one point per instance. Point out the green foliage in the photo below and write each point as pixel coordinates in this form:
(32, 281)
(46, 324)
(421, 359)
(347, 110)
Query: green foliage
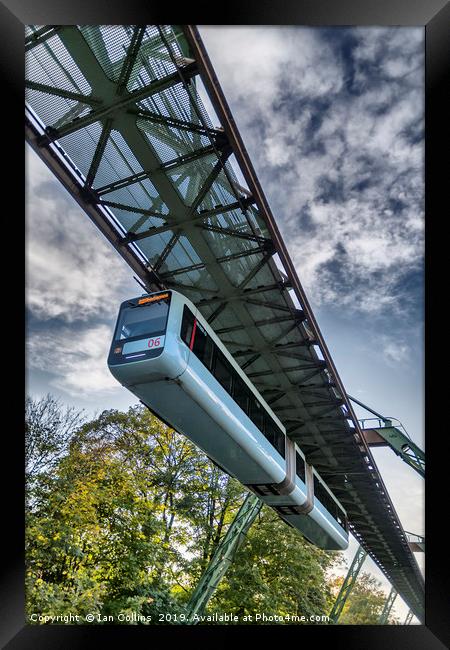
(124, 515)
(276, 572)
(365, 602)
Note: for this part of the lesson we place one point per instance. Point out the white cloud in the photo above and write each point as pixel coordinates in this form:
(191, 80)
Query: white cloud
(395, 352)
(76, 358)
(251, 60)
(305, 132)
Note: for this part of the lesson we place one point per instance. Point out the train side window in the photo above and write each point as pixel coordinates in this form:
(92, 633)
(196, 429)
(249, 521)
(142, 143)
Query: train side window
(274, 435)
(222, 371)
(341, 517)
(325, 498)
(256, 413)
(300, 466)
(240, 393)
(187, 325)
(203, 346)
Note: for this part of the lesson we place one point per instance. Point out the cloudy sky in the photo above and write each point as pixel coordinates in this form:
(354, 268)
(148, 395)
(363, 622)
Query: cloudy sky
(333, 121)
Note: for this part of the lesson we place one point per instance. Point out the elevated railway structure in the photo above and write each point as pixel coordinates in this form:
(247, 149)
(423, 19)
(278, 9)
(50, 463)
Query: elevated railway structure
(389, 432)
(116, 113)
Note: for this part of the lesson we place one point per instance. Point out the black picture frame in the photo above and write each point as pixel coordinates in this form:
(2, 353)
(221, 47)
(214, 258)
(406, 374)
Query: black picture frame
(434, 15)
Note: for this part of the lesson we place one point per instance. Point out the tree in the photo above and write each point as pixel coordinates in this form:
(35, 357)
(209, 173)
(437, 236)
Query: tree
(125, 515)
(49, 428)
(93, 539)
(365, 602)
(276, 572)
(112, 520)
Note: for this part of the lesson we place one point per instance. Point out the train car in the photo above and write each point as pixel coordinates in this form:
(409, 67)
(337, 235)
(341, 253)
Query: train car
(167, 355)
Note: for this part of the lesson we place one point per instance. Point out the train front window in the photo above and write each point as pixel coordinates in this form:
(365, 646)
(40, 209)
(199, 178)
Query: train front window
(142, 320)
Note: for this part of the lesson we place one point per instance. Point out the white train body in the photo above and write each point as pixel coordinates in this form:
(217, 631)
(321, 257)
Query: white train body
(167, 355)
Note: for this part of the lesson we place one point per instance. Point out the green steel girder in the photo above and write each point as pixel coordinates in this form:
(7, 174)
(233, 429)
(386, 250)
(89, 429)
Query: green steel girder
(196, 219)
(384, 616)
(40, 36)
(130, 59)
(183, 125)
(400, 444)
(409, 617)
(220, 260)
(99, 151)
(145, 212)
(223, 556)
(60, 92)
(388, 435)
(268, 321)
(348, 584)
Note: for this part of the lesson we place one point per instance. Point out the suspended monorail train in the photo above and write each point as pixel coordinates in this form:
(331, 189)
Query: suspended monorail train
(167, 355)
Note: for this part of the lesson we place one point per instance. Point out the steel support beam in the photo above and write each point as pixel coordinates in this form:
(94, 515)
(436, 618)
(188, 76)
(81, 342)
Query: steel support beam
(60, 92)
(235, 233)
(195, 218)
(223, 556)
(130, 59)
(99, 151)
(219, 260)
(387, 435)
(220, 164)
(384, 616)
(268, 321)
(400, 444)
(40, 36)
(348, 584)
(174, 122)
(409, 617)
(142, 211)
(317, 366)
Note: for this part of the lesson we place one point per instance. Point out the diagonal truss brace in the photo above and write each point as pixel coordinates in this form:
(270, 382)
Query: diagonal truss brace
(348, 584)
(384, 616)
(223, 556)
(409, 617)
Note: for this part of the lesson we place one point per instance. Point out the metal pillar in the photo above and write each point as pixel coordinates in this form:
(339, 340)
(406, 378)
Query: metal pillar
(348, 584)
(388, 435)
(384, 616)
(408, 618)
(223, 556)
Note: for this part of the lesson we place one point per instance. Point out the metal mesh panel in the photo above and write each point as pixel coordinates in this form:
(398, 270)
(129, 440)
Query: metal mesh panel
(141, 194)
(30, 29)
(81, 145)
(109, 44)
(164, 146)
(198, 170)
(152, 61)
(50, 63)
(50, 108)
(117, 161)
(172, 102)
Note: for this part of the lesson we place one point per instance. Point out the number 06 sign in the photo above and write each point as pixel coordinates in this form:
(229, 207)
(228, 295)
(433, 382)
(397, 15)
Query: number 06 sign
(152, 343)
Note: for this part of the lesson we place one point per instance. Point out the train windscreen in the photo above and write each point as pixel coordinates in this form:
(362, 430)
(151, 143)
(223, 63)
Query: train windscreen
(142, 320)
